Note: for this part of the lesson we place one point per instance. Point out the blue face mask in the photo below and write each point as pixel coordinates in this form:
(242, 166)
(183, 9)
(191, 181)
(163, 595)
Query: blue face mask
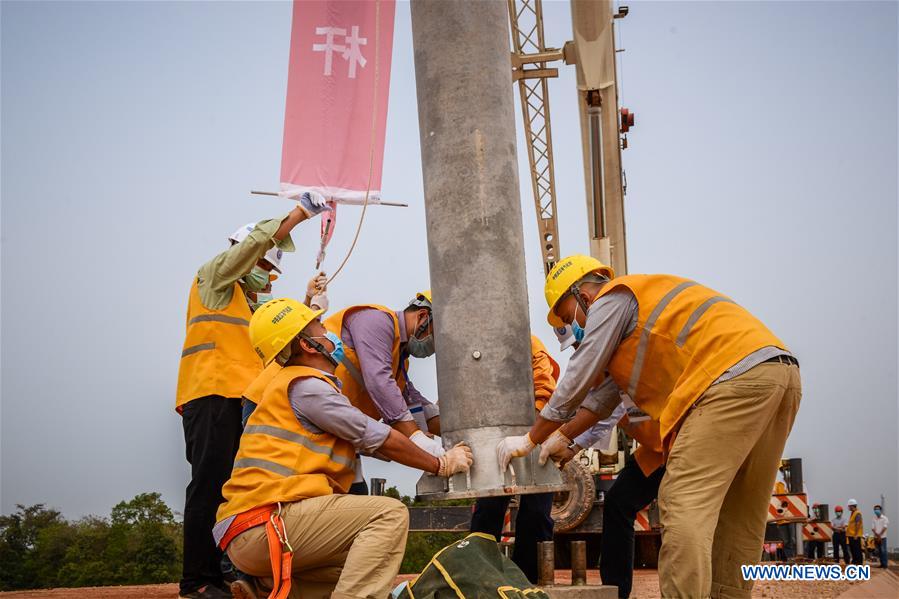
(576, 329)
(338, 354)
(877, 513)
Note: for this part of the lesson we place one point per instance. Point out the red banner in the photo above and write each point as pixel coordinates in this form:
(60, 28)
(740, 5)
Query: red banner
(336, 118)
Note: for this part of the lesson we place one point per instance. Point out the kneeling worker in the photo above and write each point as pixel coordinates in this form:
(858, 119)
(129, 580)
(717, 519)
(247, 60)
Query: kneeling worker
(724, 389)
(286, 514)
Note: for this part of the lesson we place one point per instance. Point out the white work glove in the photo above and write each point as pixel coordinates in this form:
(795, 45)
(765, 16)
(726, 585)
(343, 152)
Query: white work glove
(312, 203)
(426, 443)
(513, 447)
(455, 461)
(316, 291)
(320, 300)
(317, 285)
(555, 447)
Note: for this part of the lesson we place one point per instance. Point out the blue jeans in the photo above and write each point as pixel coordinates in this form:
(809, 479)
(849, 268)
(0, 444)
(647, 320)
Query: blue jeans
(882, 552)
(247, 408)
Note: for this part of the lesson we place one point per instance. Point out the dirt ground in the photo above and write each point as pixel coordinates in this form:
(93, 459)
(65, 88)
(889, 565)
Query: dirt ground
(646, 586)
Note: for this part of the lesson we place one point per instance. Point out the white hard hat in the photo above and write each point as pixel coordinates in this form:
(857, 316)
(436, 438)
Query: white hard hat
(273, 256)
(565, 335)
(852, 502)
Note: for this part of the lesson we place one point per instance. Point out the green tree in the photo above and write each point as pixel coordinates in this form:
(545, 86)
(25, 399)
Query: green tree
(29, 545)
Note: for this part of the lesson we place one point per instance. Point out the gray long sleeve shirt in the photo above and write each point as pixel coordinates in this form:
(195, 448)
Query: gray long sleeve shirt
(371, 334)
(610, 319)
(322, 409)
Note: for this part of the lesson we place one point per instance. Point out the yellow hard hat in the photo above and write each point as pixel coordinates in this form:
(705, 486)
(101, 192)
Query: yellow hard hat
(276, 323)
(422, 299)
(566, 273)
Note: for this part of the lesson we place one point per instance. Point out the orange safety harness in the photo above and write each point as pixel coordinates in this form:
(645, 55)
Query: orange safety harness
(280, 552)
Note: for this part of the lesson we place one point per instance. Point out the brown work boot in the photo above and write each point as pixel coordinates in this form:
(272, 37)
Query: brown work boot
(243, 588)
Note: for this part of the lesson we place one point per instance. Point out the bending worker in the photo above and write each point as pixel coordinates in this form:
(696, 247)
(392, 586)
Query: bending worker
(374, 372)
(534, 522)
(723, 388)
(287, 518)
(217, 364)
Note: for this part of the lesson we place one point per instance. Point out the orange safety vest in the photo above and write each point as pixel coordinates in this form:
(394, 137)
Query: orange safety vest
(546, 373)
(217, 358)
(256, 388)
(279, 460)
(687, 335)
(349, 371)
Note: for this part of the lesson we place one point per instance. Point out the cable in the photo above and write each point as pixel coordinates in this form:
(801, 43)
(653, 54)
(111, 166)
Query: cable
(371, 145)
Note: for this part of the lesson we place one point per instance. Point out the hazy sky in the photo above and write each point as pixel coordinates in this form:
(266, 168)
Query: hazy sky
(763, 164)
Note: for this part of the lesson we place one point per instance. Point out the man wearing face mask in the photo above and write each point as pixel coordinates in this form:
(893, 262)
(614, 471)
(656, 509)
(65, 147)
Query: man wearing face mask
(879, 528)
(378, 342)
(217, 364)
(287, 518)
(723, 388)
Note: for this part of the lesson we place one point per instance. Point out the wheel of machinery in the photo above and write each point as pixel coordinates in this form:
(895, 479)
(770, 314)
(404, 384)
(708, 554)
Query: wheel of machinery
(571, 507)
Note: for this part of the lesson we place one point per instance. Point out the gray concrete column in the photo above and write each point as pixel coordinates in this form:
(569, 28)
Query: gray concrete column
(475, 239)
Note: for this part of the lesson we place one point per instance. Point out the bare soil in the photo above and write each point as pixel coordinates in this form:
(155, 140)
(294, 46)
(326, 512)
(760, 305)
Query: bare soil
(646, 586)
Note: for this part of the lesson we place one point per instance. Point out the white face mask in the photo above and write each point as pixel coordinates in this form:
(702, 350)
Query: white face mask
(260, 298)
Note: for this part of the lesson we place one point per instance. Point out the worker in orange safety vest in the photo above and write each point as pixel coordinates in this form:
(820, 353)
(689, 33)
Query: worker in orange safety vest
(287, 518)
(723, 388)
(217, 364)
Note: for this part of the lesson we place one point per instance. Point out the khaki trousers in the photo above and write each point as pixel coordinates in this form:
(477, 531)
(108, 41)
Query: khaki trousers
(344, 546)
(714, 497)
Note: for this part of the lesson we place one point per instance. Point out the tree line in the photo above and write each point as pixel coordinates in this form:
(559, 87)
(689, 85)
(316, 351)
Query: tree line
(139, 543)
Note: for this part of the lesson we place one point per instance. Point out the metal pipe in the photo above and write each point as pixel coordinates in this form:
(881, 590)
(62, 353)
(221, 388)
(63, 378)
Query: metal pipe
(546, 567)
(578, 563)
(594, 116)
(377, 486)
(475, 243)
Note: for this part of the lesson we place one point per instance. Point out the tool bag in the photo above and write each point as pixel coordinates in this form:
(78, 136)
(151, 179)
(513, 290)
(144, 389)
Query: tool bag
(471, 568)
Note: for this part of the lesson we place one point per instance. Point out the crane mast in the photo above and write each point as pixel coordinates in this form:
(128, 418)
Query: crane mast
(592, 51)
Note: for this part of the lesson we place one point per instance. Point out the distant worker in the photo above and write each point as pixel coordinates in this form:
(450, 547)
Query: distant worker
(374, 375)
(839, 535)
(879, 529)
(287, 518)
(217, 364)
(534, 522)
(855, 531)
(724, 389)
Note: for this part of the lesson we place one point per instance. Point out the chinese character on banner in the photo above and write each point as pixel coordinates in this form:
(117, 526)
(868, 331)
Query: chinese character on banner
(338, 81)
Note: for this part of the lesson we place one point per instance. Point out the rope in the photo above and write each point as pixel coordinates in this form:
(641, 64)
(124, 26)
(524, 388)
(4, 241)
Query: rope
(371, 145)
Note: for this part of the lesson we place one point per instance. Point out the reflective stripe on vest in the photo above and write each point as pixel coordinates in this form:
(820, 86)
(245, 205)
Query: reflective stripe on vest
(274, 431)
(217, 357)
(686, 336)
(647, 334)
(195, 348)
(219, 318)
(279, 460)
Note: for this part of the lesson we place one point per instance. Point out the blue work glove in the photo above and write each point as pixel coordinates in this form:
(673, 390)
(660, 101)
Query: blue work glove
(313, 203)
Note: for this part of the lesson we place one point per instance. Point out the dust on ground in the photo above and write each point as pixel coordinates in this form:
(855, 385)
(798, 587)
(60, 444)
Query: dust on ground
(646, 586)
